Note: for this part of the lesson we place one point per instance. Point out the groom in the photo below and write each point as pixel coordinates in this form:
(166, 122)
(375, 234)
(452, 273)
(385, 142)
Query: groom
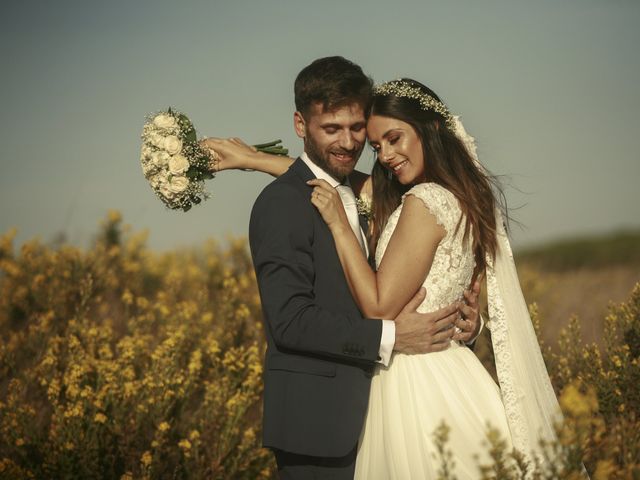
(321, 352)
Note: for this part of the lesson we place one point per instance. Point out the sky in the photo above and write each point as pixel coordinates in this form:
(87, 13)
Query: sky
(548, 88)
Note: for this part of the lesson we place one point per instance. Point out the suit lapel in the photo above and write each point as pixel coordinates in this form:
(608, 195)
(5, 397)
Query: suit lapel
(301, 169)
(305, 174)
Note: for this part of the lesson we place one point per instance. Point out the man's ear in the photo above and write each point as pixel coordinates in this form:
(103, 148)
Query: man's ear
(299, 124)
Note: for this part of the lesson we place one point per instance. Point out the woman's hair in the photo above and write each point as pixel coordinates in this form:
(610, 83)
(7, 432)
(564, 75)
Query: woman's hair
(446, 162)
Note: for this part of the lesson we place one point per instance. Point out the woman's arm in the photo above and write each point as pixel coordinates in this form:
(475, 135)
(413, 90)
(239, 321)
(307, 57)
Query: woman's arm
(406, 262)
(234, 154)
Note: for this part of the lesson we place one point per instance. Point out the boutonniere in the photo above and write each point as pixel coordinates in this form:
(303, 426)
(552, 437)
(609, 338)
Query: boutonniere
(363, 204)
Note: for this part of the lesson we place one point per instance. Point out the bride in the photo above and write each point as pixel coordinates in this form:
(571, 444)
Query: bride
(436, 223)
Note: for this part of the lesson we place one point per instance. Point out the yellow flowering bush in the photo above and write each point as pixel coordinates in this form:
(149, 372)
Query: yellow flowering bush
(116, 362)
(599, 393)
(120, 362)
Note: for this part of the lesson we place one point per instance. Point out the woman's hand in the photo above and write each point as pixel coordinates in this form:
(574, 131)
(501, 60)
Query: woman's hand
(228, 153)
(327, 200)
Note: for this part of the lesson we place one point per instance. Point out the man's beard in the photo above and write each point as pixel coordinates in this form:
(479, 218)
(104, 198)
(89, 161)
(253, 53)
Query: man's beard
(321, 159)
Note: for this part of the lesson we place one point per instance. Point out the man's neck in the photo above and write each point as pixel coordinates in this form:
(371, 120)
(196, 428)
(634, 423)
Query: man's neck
(320, 172)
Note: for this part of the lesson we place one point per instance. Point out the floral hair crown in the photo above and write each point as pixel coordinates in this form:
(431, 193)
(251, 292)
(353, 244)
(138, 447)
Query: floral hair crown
(400, 88)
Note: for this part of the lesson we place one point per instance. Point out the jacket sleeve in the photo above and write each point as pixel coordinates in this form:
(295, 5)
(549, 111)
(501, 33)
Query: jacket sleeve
(281, 238)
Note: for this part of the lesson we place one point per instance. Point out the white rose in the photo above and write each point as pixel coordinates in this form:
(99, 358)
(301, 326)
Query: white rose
(164, 120)
(178, 164)
(158, 180)
(156, 139)
(160, 159)
(147, 129)
(165, 191)
(172, 144)
(179, 184)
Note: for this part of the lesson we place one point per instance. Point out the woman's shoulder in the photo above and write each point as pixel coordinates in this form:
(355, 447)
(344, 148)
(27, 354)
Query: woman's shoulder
(430, 191)
(439, 201)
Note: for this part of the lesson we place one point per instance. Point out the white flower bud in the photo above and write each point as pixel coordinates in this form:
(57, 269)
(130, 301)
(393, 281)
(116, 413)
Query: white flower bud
(160, 159)
(156, 139)
(147, 168)
(146, 151)
(164, 120)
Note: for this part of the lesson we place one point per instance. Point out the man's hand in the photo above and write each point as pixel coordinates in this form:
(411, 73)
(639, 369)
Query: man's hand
(424, 332)
(469, 320)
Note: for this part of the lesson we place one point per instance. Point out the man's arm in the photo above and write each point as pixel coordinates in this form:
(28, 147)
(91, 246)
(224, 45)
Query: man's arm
(281, 236)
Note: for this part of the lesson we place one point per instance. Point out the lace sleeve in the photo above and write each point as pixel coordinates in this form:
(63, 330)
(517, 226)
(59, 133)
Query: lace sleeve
(440, 202)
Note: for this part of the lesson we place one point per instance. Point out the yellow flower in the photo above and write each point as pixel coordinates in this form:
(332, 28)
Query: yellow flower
(69, 445)
(194, 435)
(142, 302)
(127, 297)
(164, 426)
(576, 403)
(114, 216)
(146, 458)
(100, 417)
(616, 361)
(19, 442)
(184, 444)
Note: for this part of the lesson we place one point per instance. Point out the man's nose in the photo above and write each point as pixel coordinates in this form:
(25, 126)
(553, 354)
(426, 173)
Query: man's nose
(347, 140)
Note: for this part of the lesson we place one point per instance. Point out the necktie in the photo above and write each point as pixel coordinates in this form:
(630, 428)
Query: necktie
(349, 201)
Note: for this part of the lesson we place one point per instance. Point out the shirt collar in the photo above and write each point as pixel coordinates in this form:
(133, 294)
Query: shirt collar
(319, 172)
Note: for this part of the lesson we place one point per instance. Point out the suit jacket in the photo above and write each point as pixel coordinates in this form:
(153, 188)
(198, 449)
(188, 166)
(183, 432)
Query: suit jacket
(321, 352)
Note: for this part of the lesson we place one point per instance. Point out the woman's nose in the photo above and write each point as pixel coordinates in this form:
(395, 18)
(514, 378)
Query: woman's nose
(386, 154)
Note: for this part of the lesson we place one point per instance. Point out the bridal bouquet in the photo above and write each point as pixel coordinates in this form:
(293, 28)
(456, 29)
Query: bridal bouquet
(175, 164)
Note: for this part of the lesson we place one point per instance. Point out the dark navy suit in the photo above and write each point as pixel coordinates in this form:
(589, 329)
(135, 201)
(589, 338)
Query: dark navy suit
(321, 352)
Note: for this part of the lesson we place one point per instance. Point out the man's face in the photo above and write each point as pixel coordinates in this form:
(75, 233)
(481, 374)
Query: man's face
(333, 139)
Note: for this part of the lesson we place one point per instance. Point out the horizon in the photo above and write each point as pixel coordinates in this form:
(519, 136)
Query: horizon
(548, 90)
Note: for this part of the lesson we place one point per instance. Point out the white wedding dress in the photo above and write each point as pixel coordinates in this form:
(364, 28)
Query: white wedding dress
(412, 396)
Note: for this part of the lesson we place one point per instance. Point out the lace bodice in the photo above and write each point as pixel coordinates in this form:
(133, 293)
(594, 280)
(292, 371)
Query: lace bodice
(453, 264)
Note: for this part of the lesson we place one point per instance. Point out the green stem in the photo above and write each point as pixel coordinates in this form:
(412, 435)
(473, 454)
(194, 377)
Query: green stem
(269, 144)
(275, 150)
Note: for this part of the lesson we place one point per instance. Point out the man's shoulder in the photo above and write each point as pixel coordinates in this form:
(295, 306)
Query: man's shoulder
(283, 206)
(287, 187)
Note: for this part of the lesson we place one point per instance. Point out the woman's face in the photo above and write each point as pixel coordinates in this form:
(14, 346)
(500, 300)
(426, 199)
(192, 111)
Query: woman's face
(398, 148)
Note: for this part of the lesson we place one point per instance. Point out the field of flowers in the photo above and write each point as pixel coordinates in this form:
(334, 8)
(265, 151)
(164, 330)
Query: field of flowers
(118, 362)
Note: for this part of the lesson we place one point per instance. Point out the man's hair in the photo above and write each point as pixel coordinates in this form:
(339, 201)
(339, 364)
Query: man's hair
(334, 82)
